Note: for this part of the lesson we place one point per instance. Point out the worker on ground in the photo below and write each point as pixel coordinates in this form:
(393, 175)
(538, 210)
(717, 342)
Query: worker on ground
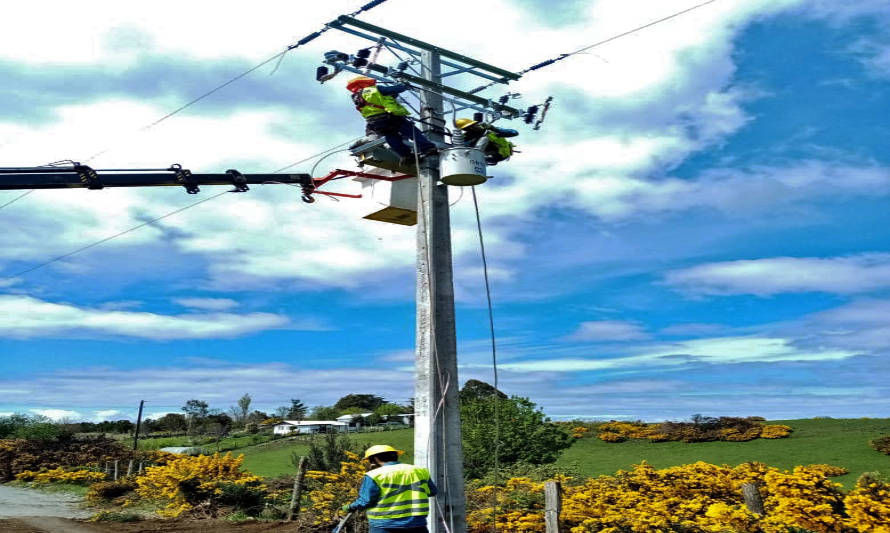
(490, 139)
(395, 495)
(386, 116)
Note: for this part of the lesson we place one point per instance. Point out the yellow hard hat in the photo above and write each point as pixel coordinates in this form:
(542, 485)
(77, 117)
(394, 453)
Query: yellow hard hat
(381, 448)
(464, 123)
(360, 82)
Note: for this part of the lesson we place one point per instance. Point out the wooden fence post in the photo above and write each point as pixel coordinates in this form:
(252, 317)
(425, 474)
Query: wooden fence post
(298, 488)
(130, 468)
(753, 498)
(552, 505)
(140, 468)
(116, 461)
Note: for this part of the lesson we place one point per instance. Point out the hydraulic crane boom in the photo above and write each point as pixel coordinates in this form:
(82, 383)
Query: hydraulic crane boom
(82, 176)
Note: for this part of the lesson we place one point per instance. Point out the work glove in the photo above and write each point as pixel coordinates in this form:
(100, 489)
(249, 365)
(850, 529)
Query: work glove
(345, 508)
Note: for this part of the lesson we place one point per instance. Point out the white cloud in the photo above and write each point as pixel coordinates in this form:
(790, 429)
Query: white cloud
(716, 350)
(763, 277)
(26, 317)
(608, 330)
(57, 414)
(106, 414)
(210, 304)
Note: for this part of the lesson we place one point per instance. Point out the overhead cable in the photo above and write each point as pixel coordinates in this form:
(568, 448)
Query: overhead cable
(301, 42)
(143, 224)
(598, 43)
(17, 198)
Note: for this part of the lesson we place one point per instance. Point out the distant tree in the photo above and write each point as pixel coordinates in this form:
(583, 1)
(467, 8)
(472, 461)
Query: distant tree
(297, 410)
(281, 411)
(367, 402)
(196, 409)
(172, 422)
(352, 411)
(372, 419)
(524, 434)
(477, 390)
(257, 417)
(244, 406)
(389, 409)
(322, 412)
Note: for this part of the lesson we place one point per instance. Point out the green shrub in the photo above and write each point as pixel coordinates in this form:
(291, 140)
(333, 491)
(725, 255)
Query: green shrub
(246, 497)
(881, 444)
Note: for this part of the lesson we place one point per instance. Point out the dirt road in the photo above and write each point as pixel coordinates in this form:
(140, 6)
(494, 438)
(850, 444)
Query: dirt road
(16, 502)
(61, 525)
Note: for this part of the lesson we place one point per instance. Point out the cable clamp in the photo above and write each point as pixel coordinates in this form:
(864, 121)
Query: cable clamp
(185, 178)
(238, 180)
(88, 177)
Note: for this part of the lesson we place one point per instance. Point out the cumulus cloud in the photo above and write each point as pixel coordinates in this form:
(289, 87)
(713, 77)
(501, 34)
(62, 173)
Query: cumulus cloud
(57, 414)
(764, 277)
(27, 317)
(106, 414)
(608, 330)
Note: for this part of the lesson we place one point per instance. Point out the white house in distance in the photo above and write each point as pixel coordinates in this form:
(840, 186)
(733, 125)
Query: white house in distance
(310, 426)
(350, 420)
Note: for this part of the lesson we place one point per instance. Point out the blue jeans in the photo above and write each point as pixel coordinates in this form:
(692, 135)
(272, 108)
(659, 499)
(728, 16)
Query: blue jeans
(375, 529)
(396, 130)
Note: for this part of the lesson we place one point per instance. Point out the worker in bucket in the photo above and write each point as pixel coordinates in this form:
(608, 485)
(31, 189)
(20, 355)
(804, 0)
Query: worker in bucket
(490, 139)
(386, 116)
(395, 495)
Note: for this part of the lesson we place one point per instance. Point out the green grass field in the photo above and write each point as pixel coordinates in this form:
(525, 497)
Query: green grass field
(273, 459)
(840, 442)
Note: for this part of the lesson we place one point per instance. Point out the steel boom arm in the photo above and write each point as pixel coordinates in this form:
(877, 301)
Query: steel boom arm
(82, 176)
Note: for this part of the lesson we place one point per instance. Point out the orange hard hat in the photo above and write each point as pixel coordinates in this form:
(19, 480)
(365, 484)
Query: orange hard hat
(359, 82)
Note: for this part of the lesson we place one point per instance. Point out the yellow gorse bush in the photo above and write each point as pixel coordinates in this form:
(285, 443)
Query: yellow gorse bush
(185, 482)
(699, 497)
(330, 491)
(60, 475)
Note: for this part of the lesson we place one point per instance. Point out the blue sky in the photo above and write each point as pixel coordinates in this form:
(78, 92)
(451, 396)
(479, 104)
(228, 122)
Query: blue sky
(700, 227)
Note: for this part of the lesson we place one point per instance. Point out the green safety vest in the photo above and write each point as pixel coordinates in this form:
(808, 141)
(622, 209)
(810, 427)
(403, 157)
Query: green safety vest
(505, 147)
(404, 492)
(371, 102)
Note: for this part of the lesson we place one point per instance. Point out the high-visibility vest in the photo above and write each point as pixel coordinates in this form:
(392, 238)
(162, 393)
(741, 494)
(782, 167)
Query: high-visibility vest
(505, 147)
(404, 492)
(371, 102)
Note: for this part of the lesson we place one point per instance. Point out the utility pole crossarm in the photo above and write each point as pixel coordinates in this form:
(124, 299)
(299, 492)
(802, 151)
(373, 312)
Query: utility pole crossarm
(82, 176)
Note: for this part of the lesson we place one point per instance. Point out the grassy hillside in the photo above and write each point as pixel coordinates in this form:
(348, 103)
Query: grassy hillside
(841, 442)
(273, 459)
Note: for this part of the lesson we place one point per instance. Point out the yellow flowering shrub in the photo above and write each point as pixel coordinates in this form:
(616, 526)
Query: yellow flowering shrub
(776, 431)
(330, 491)
(698, 497)
(60, 475)
(868, 505)
(186, 482)
(827, 470)
(579, 431)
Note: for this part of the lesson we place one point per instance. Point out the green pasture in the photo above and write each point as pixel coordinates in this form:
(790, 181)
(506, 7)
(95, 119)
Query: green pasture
(840, 442)
(273, 459)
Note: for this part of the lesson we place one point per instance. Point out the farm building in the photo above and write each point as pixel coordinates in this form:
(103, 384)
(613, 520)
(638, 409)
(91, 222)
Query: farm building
(310, 426)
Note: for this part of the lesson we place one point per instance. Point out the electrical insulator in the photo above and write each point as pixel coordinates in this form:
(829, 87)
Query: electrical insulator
(364, 53)
(359, 62)
(530, 113)
(402, 66)
(334, 56)
(321, 72)
(479, 117)
(504, 99)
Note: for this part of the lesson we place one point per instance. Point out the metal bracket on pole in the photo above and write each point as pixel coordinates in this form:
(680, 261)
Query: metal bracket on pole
(238, 180)
(185, 178)
(88, 177)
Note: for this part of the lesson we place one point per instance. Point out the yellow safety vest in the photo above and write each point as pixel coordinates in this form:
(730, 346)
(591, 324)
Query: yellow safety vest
(404, 492)
(505, 147)
(371, 102)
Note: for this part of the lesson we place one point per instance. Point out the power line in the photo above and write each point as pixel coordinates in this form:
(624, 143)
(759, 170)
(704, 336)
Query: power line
(17, 198)
(301, 42)
(116, 235)
(598, 43)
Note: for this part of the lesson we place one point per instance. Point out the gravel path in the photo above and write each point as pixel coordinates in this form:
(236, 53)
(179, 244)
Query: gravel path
(17, 502)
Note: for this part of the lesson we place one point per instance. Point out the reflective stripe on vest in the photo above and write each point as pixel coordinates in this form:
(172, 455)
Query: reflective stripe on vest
(375, 103)
(404, 492)
(505, 147)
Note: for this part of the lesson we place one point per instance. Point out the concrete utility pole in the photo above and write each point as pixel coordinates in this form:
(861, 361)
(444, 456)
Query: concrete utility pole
(437, 435)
